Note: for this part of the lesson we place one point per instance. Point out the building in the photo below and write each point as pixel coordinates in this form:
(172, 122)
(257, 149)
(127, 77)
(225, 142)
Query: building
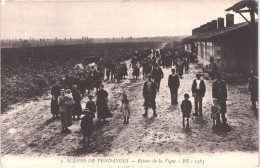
(234, 47)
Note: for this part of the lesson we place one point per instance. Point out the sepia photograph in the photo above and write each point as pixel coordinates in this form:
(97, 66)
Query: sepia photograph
(126, 83)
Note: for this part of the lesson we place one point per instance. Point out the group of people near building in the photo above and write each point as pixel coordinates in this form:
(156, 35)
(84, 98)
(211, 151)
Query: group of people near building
(67, 96)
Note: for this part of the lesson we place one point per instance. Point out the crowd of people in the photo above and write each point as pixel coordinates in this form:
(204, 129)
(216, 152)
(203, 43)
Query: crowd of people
(67, 94)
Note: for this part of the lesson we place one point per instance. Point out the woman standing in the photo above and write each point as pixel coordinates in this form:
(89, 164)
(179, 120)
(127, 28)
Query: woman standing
(101, 102)
(63, 111)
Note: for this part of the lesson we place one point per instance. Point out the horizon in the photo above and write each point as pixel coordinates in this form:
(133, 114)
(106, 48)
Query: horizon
(108, 19)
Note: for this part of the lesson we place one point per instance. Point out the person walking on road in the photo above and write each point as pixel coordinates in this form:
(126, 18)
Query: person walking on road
(157, 75)
(219, 91)
(174, 84)
(149, 94)
(198, 92)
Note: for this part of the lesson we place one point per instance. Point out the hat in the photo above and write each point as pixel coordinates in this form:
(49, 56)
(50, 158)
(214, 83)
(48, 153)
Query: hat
(101, 85)
(149, 75)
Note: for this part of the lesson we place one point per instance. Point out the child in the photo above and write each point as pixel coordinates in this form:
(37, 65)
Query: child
(125, 109)
(91, 106)
(186, 109)
(86, 126)
(215, 115)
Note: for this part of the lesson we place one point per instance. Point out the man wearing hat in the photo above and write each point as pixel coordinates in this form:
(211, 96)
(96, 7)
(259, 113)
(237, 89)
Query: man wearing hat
(157, 75)
(219, 91)
(149, 94)
(198, 92)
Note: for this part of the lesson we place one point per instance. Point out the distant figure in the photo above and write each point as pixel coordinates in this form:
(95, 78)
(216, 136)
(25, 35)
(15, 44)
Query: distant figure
(174, 84)
(101, 102)
(91, 106)
(157, 75)
(179, 67)
(64, 81)
(92, 77)
(198, 92)
(82, 85)
(186, 109)
(215, 113)
(77, 109)
(149, 94)
(55, 92)
(87, 126)
(213, 68)
(125, 109)
(136, 72)
(219, 92)
(124, 70)
(253, 88)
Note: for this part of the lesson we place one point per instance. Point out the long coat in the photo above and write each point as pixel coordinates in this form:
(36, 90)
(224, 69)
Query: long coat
(157, 73)
(77, 110)
(87, 125)
(219, 90)
(149, 97)
(101, 102)
(173, 81)
(198, 92)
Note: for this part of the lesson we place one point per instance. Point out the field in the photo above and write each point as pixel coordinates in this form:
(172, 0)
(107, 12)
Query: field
(30, 72)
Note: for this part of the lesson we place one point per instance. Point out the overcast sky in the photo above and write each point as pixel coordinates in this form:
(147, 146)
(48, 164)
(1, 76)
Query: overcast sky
(108, 19)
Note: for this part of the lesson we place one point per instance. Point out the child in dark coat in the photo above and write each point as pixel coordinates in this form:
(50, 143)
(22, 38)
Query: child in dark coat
(186, 109)
(91, 106)
(86, 126)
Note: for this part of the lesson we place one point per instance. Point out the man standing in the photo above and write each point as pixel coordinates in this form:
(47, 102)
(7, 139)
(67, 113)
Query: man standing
(219, 91)
(198, 92)
(173, 84)
(149, 94)
(157, 75)
(253, 88)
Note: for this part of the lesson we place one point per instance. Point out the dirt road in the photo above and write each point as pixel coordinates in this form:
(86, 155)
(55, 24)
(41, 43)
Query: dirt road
(29, 129)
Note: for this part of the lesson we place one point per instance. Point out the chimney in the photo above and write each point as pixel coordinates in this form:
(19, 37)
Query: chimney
(214, 24)
(229, 20)
(220, 23)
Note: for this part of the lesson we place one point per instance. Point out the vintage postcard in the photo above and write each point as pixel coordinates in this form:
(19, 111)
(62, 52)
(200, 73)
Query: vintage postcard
(129, 83)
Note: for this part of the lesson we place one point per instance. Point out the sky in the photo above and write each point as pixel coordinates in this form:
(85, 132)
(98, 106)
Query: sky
(65, 19)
